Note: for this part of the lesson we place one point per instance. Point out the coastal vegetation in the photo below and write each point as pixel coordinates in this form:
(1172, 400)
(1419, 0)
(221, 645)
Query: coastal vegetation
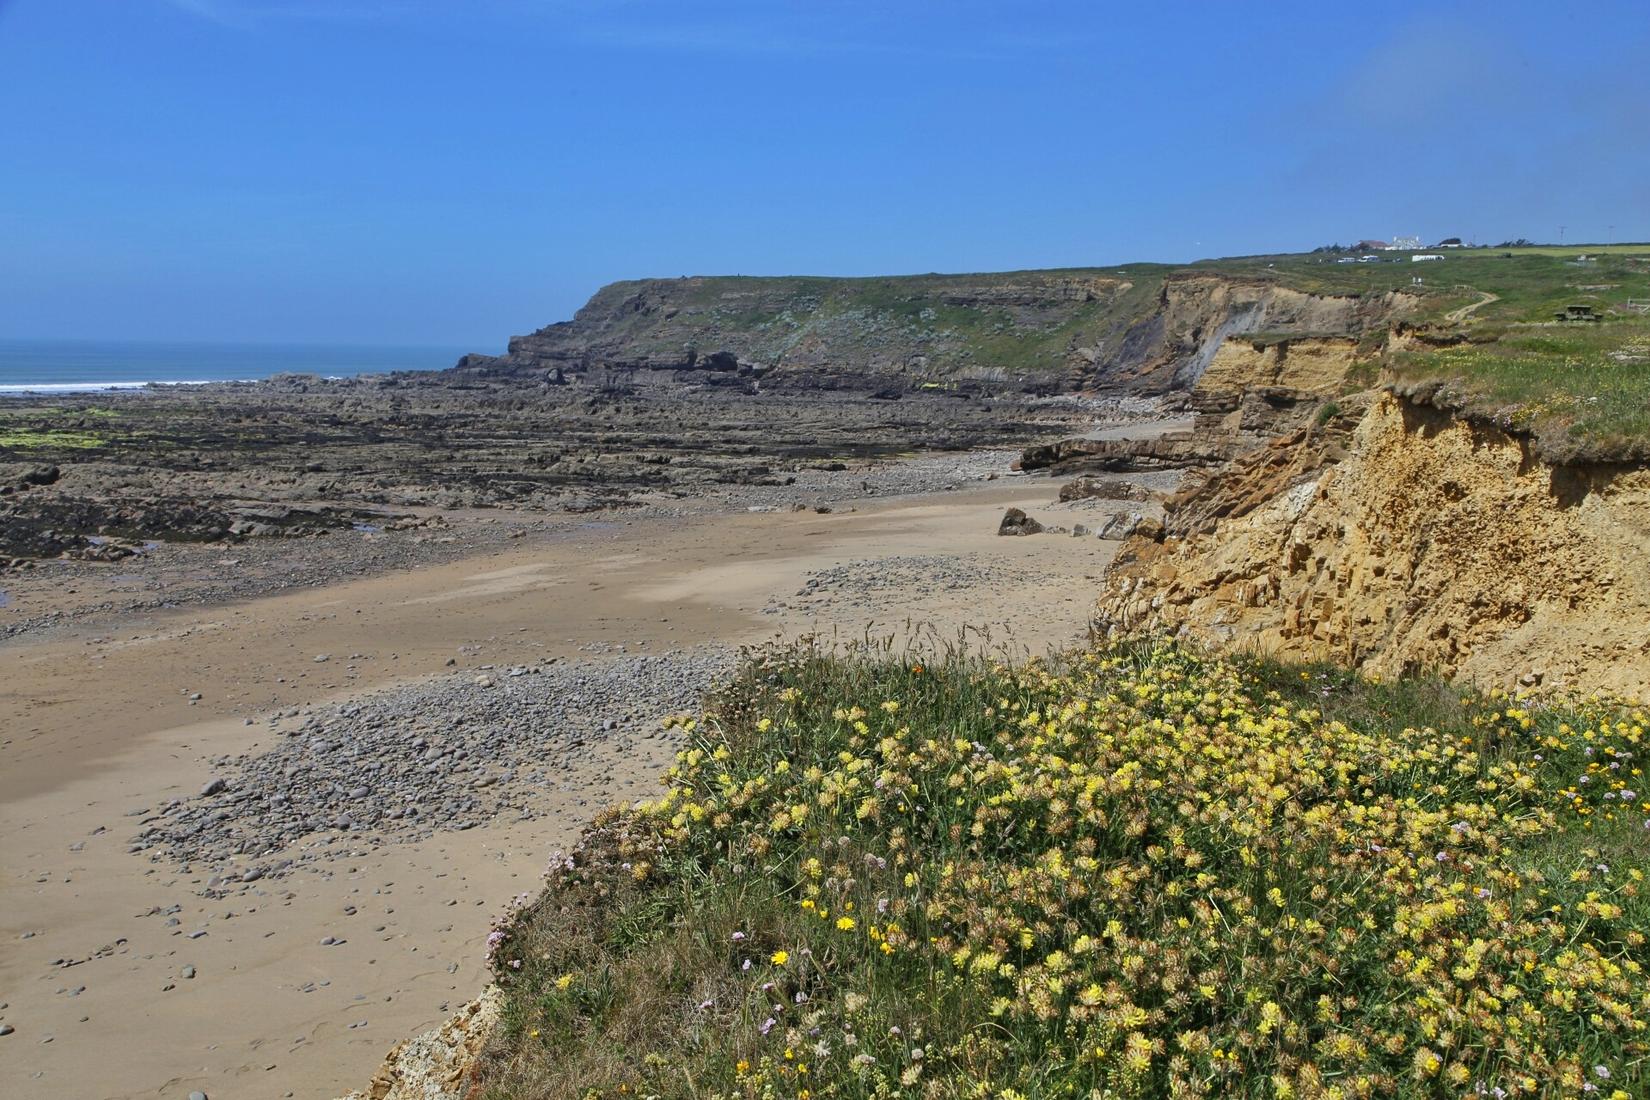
(1590, 382)
(1134, 870)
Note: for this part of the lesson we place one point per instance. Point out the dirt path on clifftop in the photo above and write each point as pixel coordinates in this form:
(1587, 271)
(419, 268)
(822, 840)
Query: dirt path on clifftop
(1456, 316)
(127, 973)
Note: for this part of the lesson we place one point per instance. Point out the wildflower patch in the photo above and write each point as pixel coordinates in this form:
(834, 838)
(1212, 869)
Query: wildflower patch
(1139, 871)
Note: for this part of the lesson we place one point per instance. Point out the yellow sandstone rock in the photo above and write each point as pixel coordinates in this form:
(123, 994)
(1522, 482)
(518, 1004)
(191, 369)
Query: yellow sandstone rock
(1435, 543)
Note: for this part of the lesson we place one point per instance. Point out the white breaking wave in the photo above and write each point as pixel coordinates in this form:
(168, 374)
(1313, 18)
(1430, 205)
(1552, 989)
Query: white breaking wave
(92, 387)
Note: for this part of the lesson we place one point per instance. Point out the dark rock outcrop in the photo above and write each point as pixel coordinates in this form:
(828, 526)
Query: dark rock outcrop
(1173, 451)
(1016, 522)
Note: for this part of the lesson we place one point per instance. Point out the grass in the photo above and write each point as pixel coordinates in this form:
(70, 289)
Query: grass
(1134, 871)
(1568, 250)
(1589, 382)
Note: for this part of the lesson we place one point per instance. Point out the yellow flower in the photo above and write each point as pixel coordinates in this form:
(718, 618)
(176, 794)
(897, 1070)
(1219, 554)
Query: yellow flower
(845, 924)
(564, 981)
(1137, 1051)
(780, 957)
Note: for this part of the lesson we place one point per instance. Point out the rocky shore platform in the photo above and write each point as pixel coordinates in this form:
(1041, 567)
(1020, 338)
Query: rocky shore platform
(102, 476)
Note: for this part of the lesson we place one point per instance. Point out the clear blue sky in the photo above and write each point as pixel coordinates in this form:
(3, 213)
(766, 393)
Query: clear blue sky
(454, 171)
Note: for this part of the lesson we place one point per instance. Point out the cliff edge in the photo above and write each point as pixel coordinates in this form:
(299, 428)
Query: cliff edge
(1403, 538)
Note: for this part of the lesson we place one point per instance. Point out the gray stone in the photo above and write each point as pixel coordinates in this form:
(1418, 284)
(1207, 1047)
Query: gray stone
(1121, 525)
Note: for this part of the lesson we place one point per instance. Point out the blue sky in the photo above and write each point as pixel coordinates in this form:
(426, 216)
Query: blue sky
(414, 171)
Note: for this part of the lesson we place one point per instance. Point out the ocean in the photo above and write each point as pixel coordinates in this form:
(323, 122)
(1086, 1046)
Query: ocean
(66, 366)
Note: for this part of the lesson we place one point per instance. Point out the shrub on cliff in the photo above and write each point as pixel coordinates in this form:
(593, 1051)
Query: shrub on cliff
(1138, 871)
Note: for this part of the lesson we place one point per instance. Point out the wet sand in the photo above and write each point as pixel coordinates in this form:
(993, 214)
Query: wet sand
(99, 722)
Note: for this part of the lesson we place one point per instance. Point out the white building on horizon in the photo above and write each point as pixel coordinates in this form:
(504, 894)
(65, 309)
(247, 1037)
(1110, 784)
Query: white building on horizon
(1404, 244)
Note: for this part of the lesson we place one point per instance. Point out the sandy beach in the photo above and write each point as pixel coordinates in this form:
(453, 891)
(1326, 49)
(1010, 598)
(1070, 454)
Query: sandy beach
(127, 975)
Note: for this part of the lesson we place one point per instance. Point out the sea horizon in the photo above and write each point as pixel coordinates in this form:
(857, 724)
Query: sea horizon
(70, 365)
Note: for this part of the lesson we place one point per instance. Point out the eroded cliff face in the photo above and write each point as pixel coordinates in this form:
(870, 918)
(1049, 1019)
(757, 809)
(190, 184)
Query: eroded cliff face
(1201, 313)
(1414, 540)
(1143, 331)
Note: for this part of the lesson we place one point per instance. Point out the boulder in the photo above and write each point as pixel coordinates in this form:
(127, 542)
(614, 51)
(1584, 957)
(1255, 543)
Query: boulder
(1016, 522)
(1104, 488)
(1121, 525)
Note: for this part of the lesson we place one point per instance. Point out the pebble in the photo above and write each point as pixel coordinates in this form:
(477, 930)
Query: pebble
(187, 972)
(863, 583)
(409, 762)
(197, 1095)
(6, 1029)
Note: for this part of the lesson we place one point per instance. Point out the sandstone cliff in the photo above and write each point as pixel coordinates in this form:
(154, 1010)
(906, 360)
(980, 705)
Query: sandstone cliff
(1144, 328)
(1404, 538)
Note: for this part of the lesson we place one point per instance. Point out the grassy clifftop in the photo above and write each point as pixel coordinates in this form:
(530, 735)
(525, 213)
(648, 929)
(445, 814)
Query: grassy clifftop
(1136, 872)
(1488, 339)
